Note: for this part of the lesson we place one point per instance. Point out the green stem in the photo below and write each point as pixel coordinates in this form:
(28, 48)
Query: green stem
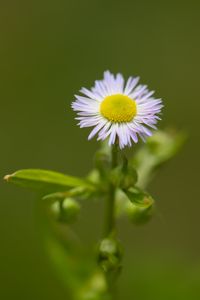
(110, 210)
(110, 218)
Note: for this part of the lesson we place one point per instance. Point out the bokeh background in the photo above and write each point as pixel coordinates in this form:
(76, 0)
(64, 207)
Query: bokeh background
(49, 49)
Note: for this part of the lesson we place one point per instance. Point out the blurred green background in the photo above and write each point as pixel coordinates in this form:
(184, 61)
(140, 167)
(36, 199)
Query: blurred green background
(48, 51)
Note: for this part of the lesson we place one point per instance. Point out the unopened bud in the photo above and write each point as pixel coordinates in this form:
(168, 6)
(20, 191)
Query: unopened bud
(110, 254)
(69, 210)
(140, 207)
(55, 210)
(123, 177)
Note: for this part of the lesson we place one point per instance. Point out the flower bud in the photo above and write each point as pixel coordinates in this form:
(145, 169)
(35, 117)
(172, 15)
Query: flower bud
(137, 214)
(55, 210)
(69, 210)
(65, 211)
(123, 177)
(110, 253)
(95, 288)
(140, 207)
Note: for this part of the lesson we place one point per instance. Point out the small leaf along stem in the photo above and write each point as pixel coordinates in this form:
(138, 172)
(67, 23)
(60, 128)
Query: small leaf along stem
(110, 201)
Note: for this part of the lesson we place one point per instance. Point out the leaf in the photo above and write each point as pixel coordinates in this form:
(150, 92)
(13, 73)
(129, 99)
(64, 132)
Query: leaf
(45, 180)
(160, 148)
(58, 196)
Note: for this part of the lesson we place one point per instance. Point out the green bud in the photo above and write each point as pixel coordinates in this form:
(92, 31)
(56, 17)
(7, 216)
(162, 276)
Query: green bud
(138, 215)
(110, 254)
(95, 288)
(69, 210)
(123, 177)
(94, 176)
(65, 211)
(55, 210)
(140, 206)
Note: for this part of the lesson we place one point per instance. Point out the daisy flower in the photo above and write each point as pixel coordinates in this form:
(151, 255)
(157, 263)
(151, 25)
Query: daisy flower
(118, 110)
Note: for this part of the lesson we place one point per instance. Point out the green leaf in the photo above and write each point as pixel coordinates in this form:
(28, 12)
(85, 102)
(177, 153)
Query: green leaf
(59, 196)
(160, 148)
(45, 180)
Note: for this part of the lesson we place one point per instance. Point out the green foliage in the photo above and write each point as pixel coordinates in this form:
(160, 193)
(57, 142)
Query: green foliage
(70, 209)
(95, 288)
(109, 254)
(138, 205)
(122, 184)
(76, 268)
(109, 258)
(74, 192)
(45, 180)
(124, 176)
(65, 211)
(159, 148)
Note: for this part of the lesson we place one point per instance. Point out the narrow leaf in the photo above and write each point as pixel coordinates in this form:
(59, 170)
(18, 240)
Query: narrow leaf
(45, 180)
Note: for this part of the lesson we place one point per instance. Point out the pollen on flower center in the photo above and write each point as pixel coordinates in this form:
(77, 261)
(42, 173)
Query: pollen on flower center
(118, 108)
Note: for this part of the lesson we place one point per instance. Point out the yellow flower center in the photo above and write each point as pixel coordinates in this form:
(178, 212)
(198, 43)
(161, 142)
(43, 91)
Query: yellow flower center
(118, 108)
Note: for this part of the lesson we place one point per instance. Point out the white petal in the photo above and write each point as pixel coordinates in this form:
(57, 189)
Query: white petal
(119, 83)
(113, 134)
(103, 131)
(96, 129)
(131, 83)
(90, 94)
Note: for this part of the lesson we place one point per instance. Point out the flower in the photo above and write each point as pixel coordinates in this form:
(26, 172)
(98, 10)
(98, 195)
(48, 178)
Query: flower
(118, 110)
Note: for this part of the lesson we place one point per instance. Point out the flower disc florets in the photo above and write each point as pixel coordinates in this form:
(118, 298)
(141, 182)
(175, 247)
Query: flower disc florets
(118, 108)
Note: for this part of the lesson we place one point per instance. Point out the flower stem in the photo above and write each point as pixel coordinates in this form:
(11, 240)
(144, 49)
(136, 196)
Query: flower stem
(110, 210)
(111, 274)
